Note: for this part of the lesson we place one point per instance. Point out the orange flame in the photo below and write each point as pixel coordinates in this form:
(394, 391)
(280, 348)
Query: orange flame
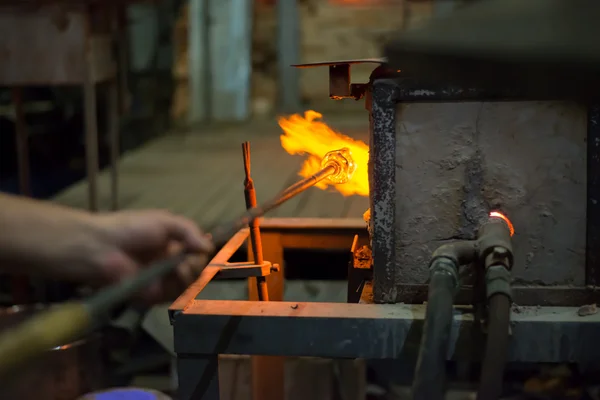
(496, 214)
(307, 135)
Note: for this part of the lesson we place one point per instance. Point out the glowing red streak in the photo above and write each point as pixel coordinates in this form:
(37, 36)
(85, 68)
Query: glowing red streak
(496, 214)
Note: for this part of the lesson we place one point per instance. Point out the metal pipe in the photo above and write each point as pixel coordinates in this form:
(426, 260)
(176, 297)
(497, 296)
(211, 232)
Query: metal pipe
(224, 232)
(20, 284)
(496, 251)
(430, 373)
(255, 239)
(492, 371)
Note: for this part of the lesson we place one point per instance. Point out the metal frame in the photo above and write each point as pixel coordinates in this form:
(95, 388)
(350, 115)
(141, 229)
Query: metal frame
(384, 93)
(198, 373)
(204, 329)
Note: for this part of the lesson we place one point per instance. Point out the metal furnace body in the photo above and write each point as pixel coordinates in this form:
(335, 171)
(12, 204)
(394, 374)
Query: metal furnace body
(442, 155)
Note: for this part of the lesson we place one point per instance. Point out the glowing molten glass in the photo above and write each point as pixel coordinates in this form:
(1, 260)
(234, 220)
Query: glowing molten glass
(496, 214)
(343, 163)
(307, 135)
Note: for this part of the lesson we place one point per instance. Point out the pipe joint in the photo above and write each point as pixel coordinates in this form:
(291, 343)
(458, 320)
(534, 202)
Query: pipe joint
(460, 253)
(447, 266)
(494, 244)
(497, 281)
(499, 256)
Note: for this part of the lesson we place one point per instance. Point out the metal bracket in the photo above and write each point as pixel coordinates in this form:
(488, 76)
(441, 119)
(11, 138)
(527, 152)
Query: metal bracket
(340, 86)
(244, 270)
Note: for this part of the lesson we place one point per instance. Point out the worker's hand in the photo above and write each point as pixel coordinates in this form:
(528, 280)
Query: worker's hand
(62, 243)
(125, 242)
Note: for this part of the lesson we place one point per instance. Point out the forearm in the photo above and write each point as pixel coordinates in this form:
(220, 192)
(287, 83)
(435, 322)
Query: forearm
(37, 237)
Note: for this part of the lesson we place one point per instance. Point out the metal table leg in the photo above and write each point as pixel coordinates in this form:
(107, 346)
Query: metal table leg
(113, 121)
(91, 135)
(20, 284)
(268, 372)
(22, 138)
(198, 378)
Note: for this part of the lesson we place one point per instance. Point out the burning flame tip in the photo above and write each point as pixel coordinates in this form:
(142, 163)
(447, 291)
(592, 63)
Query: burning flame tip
(498, 214)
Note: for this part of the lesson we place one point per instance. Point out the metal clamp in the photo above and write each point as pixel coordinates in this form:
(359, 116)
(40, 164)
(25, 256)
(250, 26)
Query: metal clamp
(497, 281)
(245, 270)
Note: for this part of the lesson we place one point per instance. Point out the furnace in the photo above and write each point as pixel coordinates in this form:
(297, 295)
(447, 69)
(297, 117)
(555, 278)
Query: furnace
(483, 195)
(444, 155)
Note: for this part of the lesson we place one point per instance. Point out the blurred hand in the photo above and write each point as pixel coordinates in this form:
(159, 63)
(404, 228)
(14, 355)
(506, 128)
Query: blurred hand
(55, 242)
(122, 243)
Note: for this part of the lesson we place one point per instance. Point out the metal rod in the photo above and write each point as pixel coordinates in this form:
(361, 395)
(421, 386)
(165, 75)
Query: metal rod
(255, 239)
(22, 139)
(104, 300)
(91, 131)
(20, 284)
(224, 232)
(66, 322)
(114, 122)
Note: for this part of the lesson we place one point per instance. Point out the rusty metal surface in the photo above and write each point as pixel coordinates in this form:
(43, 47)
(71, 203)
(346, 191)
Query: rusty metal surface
(547, 334)
(457, 94)
(382, 186)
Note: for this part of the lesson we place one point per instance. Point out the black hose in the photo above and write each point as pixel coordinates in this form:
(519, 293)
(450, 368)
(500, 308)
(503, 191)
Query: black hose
(430, 374)
(492, 371)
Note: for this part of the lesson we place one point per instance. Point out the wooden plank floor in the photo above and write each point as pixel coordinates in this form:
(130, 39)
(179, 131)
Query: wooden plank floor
(200, 174)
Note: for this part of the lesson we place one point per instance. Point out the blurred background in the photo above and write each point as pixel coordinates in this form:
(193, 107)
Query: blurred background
(197, 62)
(196, 79)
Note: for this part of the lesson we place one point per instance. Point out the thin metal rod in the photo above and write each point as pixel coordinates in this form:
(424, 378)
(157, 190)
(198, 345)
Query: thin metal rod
(20, 283)
(114, 120)
(224, 232)
(91, 132)
(104, 300)
(22, 139)
(64, 323)
(255, 239)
